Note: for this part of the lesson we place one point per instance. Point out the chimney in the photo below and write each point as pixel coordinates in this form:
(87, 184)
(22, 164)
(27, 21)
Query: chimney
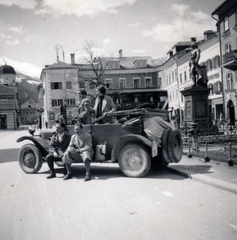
(120, 53)
(208, 34)
(72, 58)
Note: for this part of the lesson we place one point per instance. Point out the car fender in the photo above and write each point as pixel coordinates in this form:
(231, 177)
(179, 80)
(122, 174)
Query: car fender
(38, 143)
(134, 138)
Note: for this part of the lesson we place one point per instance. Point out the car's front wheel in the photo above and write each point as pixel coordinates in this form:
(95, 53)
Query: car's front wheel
(30, 158)
(134, 160)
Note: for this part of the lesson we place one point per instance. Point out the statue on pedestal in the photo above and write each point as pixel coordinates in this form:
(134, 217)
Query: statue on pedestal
(198, 72)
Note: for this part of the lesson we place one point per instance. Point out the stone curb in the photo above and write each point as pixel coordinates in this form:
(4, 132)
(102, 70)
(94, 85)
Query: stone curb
(205, 179)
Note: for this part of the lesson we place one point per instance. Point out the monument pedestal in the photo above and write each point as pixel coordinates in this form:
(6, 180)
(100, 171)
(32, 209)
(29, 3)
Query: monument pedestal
(196, 104)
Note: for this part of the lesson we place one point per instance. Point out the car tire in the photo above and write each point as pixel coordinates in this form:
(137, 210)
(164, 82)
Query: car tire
(158, 162)
(165, 147)
(134, 160)
(175, 145)
(172, 145)
(30, 158)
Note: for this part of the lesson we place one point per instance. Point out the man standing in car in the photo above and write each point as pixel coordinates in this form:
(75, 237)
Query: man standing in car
(103, 104)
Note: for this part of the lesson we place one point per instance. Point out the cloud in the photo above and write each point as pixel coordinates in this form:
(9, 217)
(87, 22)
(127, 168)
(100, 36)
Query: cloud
(80, 7)
(25, 4)
(16, 29)
(140, 51)
(186, 24)
(107, 40)
(135, 25)
(12, 42)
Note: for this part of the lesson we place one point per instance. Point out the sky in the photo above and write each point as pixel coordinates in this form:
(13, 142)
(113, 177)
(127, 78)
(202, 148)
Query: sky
(30, 29)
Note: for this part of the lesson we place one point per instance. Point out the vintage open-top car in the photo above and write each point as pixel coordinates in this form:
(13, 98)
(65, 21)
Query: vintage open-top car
(138, 140)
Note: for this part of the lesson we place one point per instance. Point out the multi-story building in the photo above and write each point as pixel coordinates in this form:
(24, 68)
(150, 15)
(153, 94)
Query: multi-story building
(226, 17)
(8, 98)
(131, 81)
(171, 75)
(59, 87)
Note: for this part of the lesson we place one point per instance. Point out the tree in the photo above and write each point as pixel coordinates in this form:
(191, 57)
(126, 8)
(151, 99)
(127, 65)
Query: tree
(94, 62)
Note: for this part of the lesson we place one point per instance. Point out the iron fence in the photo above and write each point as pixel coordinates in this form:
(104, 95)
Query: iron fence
(213, 141)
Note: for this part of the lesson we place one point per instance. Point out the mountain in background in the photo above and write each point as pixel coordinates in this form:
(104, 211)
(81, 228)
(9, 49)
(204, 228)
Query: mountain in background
(27, 88)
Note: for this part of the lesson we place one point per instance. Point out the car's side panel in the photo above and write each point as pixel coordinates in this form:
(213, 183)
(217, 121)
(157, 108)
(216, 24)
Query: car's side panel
(130, 138)
(111, 133)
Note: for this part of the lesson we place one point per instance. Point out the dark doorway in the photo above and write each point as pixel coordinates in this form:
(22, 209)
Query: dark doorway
(3, 121)
(231, 112)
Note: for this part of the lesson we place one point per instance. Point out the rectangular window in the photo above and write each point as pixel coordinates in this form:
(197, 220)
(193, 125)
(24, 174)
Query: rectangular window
(180, 78)
(229, 81)
(56, 85)
(81, 84)
(159, 81)
(185, 76)
(57, 102)
(226, 24)
(121, 83)
(71, 102)
(108, 83)
(227, 48)
(68, 85)
(148, 82)
(136, 83)
(92, 86)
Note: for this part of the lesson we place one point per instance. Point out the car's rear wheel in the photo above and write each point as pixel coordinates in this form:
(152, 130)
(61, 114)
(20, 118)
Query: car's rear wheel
(134, 160)
(30, 158)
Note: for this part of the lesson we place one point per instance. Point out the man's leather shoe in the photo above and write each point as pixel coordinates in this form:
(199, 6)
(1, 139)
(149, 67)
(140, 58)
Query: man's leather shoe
(52, 175)
(68, 176)
(87, 177)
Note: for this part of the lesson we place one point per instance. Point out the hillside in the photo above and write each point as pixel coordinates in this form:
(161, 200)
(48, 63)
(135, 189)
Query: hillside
(27, 87)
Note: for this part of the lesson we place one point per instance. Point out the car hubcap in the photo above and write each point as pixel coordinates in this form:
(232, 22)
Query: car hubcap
(133, 160)
(29, 160)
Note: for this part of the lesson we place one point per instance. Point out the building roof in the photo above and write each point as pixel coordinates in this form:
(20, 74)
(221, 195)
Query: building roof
(7, 69)
(227, 4)
(128, 62)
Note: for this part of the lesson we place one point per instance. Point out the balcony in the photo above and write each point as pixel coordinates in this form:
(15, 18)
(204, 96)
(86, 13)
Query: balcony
(230, 60)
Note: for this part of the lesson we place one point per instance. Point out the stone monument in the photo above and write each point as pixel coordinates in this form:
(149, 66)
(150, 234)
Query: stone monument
(196, 96)
(196, 110)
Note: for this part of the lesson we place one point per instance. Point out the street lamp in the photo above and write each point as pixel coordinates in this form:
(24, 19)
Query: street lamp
(58, 47)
